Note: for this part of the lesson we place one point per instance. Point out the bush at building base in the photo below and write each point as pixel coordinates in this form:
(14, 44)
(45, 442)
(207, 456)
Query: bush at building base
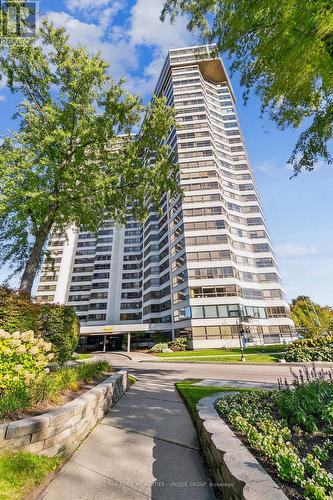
(311, 349)
(178, 344)
(55, 323)
(23, 358)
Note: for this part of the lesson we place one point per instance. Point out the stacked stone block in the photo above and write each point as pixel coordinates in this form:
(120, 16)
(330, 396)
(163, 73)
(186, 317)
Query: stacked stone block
(60, 431)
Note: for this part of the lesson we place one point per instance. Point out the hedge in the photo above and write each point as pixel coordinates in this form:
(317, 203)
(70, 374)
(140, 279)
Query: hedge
(318, 348)
(55, 323)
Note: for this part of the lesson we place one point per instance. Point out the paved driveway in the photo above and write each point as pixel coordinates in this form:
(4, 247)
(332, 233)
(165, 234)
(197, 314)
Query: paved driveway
(145, 448)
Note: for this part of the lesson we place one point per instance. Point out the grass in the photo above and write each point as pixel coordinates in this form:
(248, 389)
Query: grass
(192, 393)
(266, 354)
(50, 387)
(132, 379)
(249, 358)
(81, 356)
(21, 472)
(279, 348)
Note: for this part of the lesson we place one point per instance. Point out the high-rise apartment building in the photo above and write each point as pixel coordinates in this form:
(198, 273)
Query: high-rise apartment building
(205, 267)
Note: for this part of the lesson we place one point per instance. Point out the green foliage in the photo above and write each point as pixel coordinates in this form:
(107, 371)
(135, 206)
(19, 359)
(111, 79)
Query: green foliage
(255, 415)
(61, 327)
(48, 387)
(315, 319)
(310, 349)
(305, 405)
(159, 347)
(55, 323)
(192, 393)
(322, 452)
(284, 51)
(178, 344)
(18, 312)
(23, 359)
(67, 165)
(20, 472)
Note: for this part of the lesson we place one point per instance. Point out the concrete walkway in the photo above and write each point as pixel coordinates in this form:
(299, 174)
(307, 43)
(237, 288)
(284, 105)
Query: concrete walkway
(145, 448)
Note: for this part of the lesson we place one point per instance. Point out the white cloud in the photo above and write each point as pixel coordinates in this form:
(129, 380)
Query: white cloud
(86, 4)
(118, 51)
(121, 45)
(2, 97)
(295, 250)
(147, 29)
(266, 166)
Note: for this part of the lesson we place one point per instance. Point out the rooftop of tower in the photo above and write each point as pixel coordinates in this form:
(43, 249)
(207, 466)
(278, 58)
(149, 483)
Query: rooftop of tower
(206, 56)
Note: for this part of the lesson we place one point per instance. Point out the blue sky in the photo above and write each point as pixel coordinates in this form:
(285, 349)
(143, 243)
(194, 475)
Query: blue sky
(299, 211)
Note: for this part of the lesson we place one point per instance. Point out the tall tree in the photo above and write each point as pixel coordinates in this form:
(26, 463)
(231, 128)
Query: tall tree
(314, 318)
(67, 164)
(283, 50)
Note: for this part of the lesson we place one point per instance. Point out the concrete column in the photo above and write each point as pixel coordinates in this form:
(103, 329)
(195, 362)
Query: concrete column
(104, 343)
(128, 342)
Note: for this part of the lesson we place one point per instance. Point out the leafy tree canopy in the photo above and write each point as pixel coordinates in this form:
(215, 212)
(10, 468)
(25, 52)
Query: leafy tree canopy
(314, 318)
(67, 164)
(283, 50)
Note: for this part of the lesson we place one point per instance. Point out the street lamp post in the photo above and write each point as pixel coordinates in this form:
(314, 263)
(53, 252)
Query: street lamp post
(242, 340)
(241, 331)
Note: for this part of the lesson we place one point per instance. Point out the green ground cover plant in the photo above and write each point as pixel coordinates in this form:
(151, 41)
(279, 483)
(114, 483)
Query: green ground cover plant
(319, 348)
(21, 472)
(290, 429)
(49, 389)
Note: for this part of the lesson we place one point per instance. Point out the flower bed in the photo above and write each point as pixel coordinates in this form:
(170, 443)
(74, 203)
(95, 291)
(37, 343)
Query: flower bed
(60, 431)
(318, 348)
(290, 430)
(51, 389)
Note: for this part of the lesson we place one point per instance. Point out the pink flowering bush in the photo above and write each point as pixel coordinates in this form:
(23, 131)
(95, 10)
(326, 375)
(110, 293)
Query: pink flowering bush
(23, 359)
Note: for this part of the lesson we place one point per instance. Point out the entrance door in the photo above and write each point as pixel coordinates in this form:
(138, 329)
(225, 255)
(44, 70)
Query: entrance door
(114, 343)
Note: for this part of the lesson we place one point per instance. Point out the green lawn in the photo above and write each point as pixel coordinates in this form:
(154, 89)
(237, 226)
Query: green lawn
(223, 352)
(21, 472)
(249, 358)
(82, 356)
(192, 394)
(267, 354)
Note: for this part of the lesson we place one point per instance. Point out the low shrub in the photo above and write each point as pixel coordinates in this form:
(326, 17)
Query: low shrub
(60, 326)
(23, 359)
(271, 420)
(159, 347)
(311, 349)
(48, 388)
(307, 401)
(55, 323)
(254, 415)
(178, 344)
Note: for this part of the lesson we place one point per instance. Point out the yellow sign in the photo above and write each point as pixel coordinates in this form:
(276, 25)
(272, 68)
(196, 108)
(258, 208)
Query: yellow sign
(107, 329)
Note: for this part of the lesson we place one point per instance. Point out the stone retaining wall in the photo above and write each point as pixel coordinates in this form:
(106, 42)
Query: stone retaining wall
(238, 475)
(62, 430)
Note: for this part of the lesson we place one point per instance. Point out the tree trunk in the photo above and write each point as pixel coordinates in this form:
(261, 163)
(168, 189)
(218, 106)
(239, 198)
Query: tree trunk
(35, 257)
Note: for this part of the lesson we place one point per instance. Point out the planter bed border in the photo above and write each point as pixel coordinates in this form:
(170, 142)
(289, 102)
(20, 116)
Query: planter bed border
(236, 472)
(60, 431)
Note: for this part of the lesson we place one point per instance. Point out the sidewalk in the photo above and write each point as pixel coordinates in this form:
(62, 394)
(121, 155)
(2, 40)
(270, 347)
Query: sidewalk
(145, 448)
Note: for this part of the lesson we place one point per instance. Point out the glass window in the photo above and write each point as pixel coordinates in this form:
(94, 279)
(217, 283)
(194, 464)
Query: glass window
(210, 312)
(213, 331)
(223, 311)
(197, 312)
